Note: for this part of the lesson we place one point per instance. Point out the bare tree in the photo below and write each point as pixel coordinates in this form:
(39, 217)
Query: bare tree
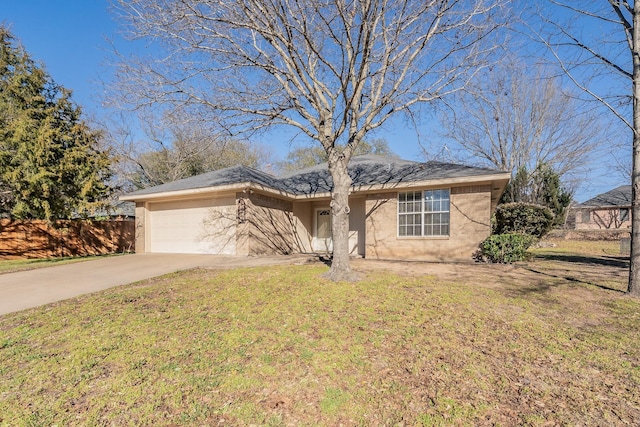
(333, 69)
(597, 46)
(304, 157)
(172, 148)
(512, 118)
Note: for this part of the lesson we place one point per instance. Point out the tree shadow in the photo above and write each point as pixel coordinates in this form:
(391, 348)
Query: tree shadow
(42, 239)
(621, 261)
(542, 286)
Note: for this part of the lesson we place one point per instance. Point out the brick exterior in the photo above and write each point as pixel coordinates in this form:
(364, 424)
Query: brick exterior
(602, 219)
(266, 226)
(140, 222)
(470, 212)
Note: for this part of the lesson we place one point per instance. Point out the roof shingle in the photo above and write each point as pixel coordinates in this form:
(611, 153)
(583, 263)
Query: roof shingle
(364, 171)
(620, 196)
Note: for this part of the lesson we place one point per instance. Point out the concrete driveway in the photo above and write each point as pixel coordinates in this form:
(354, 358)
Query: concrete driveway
(32, 288)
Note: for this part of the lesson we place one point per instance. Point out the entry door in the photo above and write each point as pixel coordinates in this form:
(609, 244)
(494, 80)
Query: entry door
(322, 240)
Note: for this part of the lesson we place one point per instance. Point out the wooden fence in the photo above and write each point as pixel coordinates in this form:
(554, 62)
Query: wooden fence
(41, 239)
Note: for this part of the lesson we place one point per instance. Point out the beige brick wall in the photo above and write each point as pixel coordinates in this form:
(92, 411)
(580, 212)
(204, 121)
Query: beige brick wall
(303, 213)
(603, 219)
(266, 226)
(140, 235)
(470, 212)
(357, 226)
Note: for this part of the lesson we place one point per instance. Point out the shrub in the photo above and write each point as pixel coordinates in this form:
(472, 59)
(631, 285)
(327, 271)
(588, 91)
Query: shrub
(523, 218)
(505, 248)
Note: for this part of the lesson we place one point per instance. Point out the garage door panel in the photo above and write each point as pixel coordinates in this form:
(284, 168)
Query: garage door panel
(194, 226)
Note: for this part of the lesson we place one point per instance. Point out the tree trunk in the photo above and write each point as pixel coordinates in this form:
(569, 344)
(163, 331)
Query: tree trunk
(634, 259)
(340, 269)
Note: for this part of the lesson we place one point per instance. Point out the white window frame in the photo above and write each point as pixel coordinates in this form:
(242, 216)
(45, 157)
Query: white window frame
(407, 208)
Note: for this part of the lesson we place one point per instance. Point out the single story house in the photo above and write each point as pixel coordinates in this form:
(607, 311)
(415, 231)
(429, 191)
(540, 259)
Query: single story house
(116, 210)
(399, 209)
(610, 210)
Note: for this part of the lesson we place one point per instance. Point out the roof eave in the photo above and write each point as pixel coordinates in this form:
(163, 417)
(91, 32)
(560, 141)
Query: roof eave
(204, 191)
(433, 182)
(360, 189)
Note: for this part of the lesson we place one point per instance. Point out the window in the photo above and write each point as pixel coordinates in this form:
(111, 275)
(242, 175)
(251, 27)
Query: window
(410, 214)
(586, 216)
(423, 213)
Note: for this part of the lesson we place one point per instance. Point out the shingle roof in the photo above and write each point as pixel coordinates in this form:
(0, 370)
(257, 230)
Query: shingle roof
(227, 176)
(364, 171)
(620, 196)
(372, 169)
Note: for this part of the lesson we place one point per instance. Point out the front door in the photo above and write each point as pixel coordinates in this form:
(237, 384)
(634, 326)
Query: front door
(322, 239)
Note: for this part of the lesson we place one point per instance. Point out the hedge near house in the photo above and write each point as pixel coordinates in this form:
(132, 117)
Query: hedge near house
(505, 248)
(523, 218)
(517, 226)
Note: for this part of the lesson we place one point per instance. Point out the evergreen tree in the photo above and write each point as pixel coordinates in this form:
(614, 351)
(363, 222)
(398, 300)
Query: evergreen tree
(50, 163)
(541, 187)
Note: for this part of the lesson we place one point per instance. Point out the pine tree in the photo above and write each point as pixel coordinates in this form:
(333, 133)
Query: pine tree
(541, 187)
(50, 163)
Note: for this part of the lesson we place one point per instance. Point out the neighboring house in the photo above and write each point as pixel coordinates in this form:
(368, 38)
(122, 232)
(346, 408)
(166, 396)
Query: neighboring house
(116, 210)
(398, 210)
(610, 210)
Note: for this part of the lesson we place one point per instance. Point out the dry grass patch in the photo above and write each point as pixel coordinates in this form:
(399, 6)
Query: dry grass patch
(492, 345)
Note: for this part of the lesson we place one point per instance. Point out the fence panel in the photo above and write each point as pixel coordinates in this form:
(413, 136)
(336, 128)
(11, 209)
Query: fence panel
(41, 239)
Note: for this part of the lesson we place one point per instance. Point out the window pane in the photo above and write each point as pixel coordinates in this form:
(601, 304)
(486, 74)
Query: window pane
(444, 218)
(430, 207)
(428, 219)
(409, 219)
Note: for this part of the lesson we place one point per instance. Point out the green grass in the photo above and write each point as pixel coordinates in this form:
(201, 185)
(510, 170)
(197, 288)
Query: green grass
(582, 247)
(281, 346)
(14, 265)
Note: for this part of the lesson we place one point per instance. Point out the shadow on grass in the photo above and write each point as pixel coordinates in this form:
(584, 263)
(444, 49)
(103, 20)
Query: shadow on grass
(572, 259)
(544, 286)
(605, 261)
(539, 288)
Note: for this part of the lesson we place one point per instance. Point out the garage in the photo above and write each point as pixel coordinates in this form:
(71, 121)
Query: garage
(198, 226)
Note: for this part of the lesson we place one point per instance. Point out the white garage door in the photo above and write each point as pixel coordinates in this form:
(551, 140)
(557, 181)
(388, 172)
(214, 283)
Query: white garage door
(205, 226)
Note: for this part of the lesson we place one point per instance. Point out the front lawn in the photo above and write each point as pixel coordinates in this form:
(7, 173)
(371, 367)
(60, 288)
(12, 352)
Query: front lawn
(472, 345)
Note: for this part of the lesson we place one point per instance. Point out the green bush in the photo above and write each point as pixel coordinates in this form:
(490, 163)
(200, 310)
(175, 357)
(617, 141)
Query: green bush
(523, 218)
(505, 248)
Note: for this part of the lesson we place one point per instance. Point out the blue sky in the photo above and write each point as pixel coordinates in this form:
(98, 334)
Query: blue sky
(70, 38)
